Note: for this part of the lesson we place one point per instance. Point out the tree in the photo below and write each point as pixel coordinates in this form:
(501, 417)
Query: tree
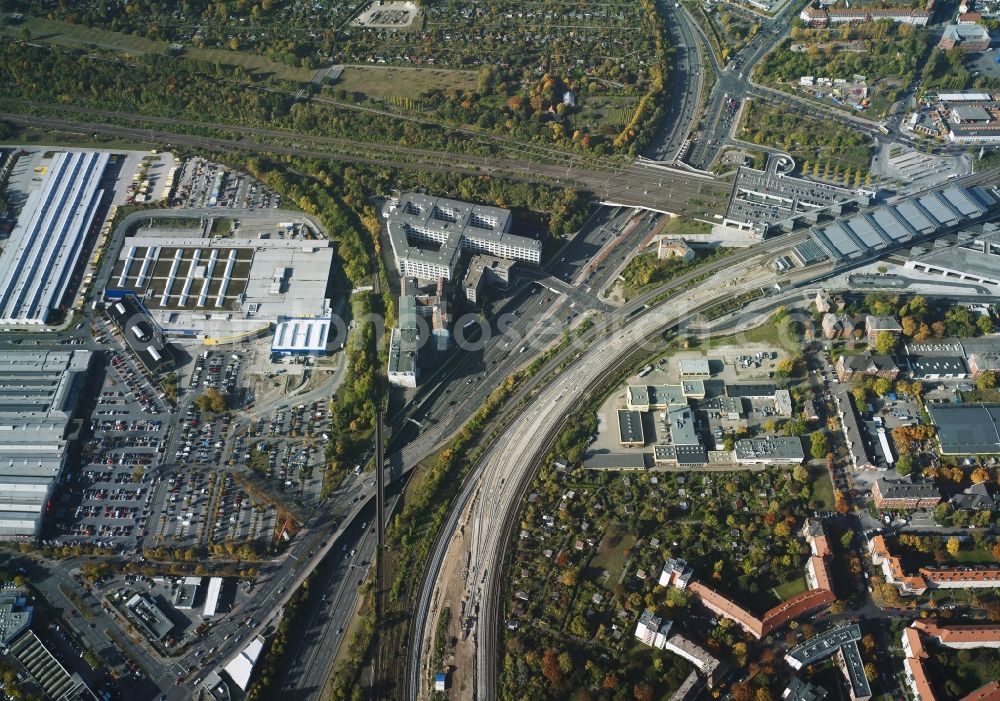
(550, 667)
(882, 386)
(643, 692)
(819, 445)
(953, 546)
(986, 380)
(740, 653)
(980, 474)
(211, 400)
(904, 465)
(885, 342)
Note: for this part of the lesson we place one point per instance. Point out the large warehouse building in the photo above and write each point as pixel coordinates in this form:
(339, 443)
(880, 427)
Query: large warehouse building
(215, 288)
(45, 246)
(427, 235)
(39, 392)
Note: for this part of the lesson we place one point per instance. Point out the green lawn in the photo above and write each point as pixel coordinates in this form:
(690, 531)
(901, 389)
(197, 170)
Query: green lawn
(790, 588)
(43, 30)
(611, 555)
(405, 82)
(822, 487)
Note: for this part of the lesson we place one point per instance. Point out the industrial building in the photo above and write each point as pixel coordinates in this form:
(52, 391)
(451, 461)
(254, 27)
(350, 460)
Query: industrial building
(44, 248)
(221, 287)
(39, 393)
(55, 681)
(932, 212)
(967, 429)
(427, 234)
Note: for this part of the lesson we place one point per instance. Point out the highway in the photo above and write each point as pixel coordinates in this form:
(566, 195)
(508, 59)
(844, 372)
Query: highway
(494, 488)
(685, 85)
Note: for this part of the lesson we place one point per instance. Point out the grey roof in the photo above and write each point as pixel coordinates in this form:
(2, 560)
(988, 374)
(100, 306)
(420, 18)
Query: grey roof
(759, 389)
(965, 32)
(630, 426)
(39, 392)
(856, 670)
(859, 234)
(799, 690)
(823, 645)
(15, 615)
(150, 616)
(781, 448)
(906, 488)
(656, 395)
(975, 498)
(928, 366)
(970, 113)
(870, 363)
(694, 366)
(615, 461)
(448, 226)
(967, 428)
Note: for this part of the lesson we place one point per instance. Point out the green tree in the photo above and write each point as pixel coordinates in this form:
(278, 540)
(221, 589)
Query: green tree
(986, 380)
(819, 445)
(904, 465)
(882, 386)
(885, 342)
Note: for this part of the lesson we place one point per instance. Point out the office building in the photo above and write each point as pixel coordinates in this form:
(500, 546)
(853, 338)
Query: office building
(427, 234)
(44, 248)
(486, 271)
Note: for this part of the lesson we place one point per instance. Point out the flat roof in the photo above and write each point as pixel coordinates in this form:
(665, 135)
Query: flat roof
(241, 667)
(615, 461)
(630, 426)
(823, 645)
(51, 231)
(967, 428)
(301, 336)
(921, 366)
(265, 278)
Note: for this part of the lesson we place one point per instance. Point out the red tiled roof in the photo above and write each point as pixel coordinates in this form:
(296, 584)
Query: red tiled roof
(950, 635)
(920, 680)
(990, 692)
(960, 575)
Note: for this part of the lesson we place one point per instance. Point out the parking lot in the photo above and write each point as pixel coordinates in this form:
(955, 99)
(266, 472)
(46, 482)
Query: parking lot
(289, 448)
(201, 183)
(108, 502)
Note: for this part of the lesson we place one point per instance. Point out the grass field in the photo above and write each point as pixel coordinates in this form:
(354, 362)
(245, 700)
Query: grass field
(396, 81)
(49, 31)
(611, 555)
(822, 487)
(790, 588)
